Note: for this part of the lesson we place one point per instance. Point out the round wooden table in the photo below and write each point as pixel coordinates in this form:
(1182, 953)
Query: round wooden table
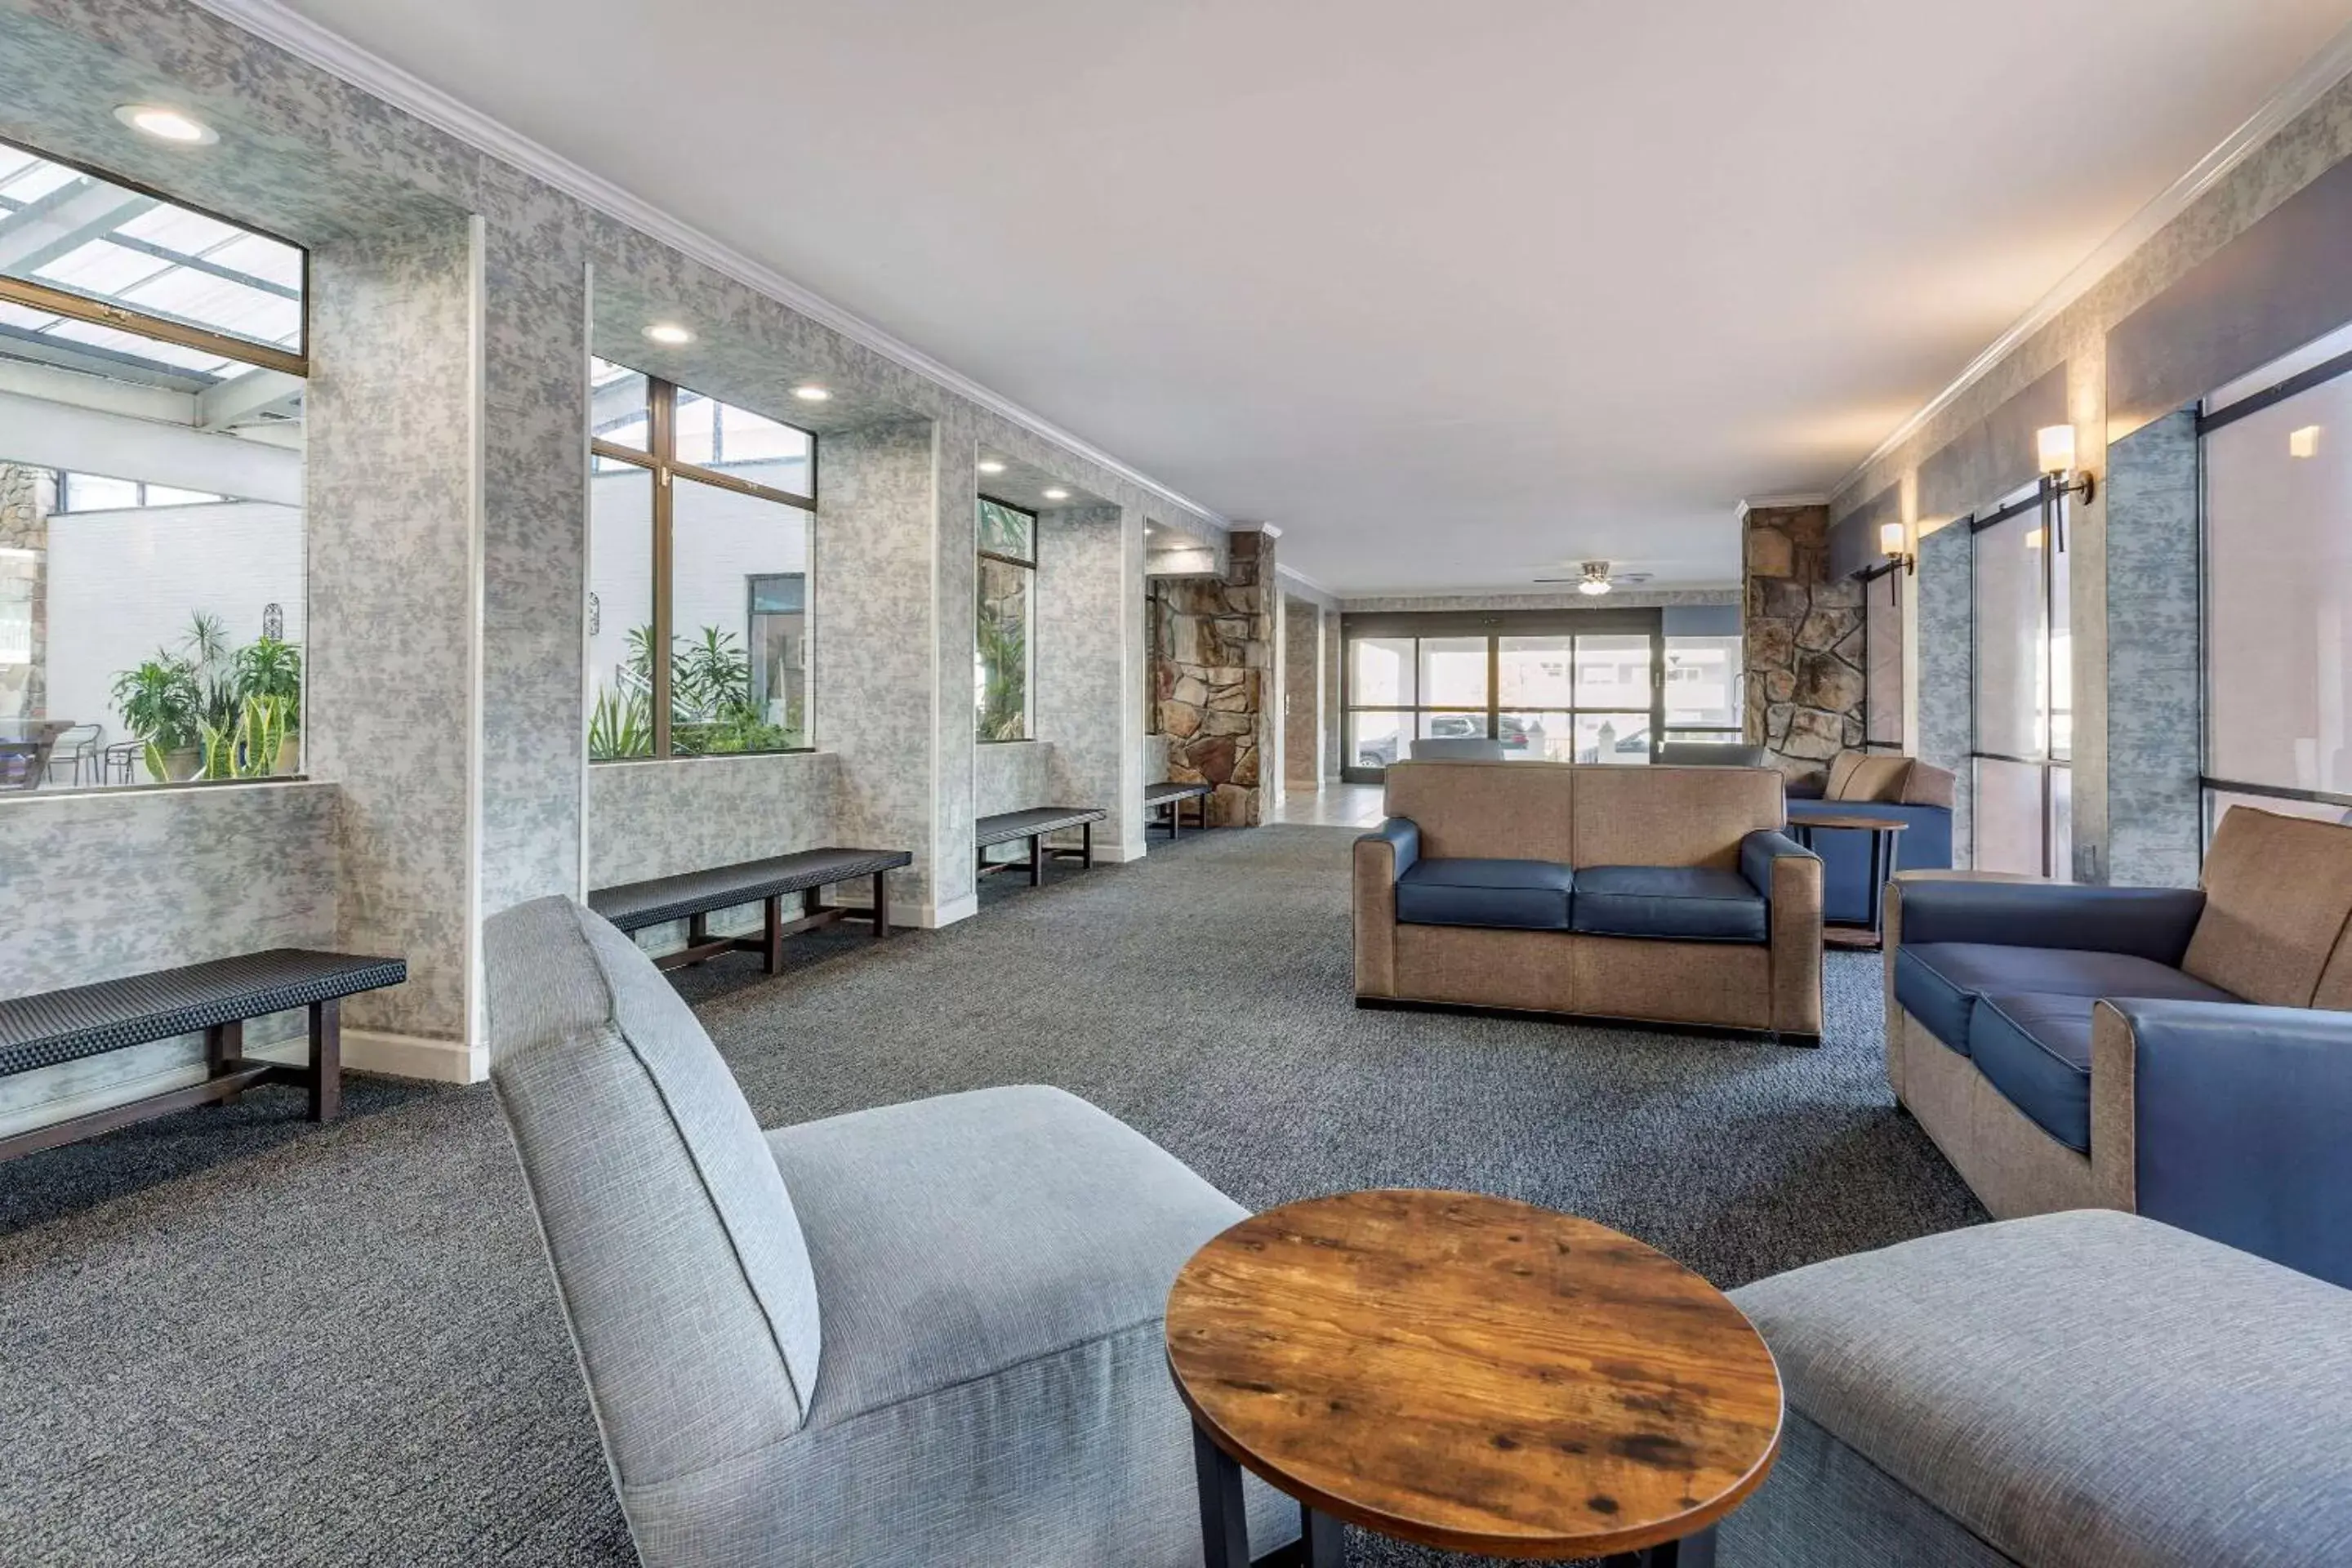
(1467, 1372)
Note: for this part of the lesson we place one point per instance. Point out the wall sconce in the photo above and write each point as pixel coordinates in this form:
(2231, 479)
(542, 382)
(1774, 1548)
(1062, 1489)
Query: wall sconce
(2053, 445)
(1895, 544)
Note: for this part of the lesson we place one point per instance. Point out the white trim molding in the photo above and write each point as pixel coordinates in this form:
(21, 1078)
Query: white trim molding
(1759, 503)
(2303, 90)
(393, 1055)
(330, 52)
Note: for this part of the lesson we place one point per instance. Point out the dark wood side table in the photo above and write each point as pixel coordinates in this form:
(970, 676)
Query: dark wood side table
(1470, 1373)
(1883, 861)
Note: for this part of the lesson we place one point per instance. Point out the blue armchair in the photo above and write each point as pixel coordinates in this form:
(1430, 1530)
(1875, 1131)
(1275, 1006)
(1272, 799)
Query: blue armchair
(1917, 794)
(2181, 1053)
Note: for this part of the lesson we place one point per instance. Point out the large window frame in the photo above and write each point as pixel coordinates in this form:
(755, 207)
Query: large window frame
(2046, 502)
(659, 459)
(2214, 789)
(1434, 626)
(1028, 626)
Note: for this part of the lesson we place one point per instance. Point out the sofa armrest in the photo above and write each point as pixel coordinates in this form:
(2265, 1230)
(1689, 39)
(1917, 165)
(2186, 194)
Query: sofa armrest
(1384, 855)
(2237, 1120)
(2153, 923)
(1402, 835)
(1789, 877)
(1761, 851)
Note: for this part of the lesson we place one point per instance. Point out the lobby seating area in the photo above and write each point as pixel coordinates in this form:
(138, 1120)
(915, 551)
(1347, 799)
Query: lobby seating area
(1750, 965)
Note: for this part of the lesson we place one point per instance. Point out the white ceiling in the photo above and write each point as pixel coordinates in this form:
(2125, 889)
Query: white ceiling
(1454, 294)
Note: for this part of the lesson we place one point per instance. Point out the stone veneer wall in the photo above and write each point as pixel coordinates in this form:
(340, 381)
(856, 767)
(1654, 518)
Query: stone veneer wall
(1215, 679)
(27, 498)
(1805, 641)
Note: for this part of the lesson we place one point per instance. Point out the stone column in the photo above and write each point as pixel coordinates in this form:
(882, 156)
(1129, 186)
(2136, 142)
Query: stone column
(1217, 678)
(1804, 642)
(27, 495)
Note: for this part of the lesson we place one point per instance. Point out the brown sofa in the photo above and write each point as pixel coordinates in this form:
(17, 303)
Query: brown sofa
(2182, 1053)
(1666, 894)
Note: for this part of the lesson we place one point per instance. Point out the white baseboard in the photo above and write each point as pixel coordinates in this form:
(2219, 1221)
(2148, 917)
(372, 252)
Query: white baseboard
(396, 1056)
(961, 908)
(1118, 854)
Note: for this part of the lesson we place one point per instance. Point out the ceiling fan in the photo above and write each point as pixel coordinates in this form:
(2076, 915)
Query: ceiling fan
(1594, 578)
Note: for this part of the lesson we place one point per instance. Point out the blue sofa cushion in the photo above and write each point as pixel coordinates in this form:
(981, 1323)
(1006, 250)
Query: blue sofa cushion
(1518, 894)
(1938, 983)
(1687, 903)
(2037, 1051)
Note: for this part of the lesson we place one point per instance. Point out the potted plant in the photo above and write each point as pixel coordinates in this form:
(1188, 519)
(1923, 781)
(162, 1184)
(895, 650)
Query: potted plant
(270, 669)
(162, 704)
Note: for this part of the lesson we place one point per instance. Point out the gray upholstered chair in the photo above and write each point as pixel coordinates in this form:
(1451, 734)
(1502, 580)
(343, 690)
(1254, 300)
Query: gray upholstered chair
(1458, 748)
(1712, 754)
(2082, 1388)
(927, 1332)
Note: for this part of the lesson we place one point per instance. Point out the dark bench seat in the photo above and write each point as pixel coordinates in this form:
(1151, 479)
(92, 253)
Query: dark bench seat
(1033, 825)
(1171, 797)
(693, 896)
(214, 999)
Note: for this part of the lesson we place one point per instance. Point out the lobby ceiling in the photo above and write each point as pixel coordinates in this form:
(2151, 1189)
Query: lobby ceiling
(1453, 296)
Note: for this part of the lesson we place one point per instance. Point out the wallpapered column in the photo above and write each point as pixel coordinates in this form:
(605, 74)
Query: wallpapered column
(872, 640)
(1086, 672)
(1805, 641)
(27, 495)
(392, 499)
(1302, 640)
(1214, 679)
(2155, 802)
(1946, 672)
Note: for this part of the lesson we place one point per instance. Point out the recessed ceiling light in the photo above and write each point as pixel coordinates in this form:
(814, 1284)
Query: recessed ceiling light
(811, 393)
(991, 465)
(1057, 495)
(669, 333)
(167, 125)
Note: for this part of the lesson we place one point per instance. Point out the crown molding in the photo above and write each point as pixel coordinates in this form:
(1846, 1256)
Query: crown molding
(330, 52)
(1804, 497)
(2303, 90)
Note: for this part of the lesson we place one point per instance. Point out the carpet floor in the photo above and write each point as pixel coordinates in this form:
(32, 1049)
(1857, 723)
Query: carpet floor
(229, 1337)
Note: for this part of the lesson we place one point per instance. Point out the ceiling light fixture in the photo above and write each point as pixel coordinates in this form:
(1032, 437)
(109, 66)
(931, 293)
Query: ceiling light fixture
(166, 125)
(812, 394)
(670, 334)
(1057, 494)
(1596, 579)
(991, 465)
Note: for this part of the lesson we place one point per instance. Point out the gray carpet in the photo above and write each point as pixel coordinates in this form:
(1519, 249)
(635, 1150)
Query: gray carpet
(228, 1337)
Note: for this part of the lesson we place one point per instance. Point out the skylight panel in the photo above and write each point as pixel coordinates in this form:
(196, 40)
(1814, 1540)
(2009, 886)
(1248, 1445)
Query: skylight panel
(257, 256)
(130, 344)
(37, 180)
(100, 268)
(177, 228)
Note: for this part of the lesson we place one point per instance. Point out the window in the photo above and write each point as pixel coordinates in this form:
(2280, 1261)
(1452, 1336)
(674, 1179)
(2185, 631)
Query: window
(1705, 681)
(151, 594)
(2278, 591)
(698, 548)
(1004, 656)
(1566, 686)
(2021, 661)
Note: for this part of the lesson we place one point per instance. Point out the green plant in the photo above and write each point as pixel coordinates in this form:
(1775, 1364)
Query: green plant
(1003, 675)
(207, 653)
(709, 678)
(619, 726)
(271, 667)
(162, 703)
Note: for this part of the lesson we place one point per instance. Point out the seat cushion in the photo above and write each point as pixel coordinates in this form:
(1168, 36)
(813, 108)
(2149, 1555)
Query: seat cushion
(1938, 983)
(2037, 1051)
(2033, 1381)
(955, 1237)
(1520, 894)
(1685, 903)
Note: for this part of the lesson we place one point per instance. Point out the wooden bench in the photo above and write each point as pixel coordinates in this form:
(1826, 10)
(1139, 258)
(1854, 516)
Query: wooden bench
(1033, 825)
(214, 999)
(693, 896)
(1172, 796)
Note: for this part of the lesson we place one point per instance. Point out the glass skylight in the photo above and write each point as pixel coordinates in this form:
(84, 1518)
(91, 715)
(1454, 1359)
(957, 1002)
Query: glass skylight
(74, 232)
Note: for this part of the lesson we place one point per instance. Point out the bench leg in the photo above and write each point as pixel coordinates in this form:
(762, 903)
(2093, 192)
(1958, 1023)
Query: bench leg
(698, 931)
(224, 1044)
(326, 1059)
(1087, 846)
(1036, 859)
(1175, 820)
(881, 905)
(772, 937)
